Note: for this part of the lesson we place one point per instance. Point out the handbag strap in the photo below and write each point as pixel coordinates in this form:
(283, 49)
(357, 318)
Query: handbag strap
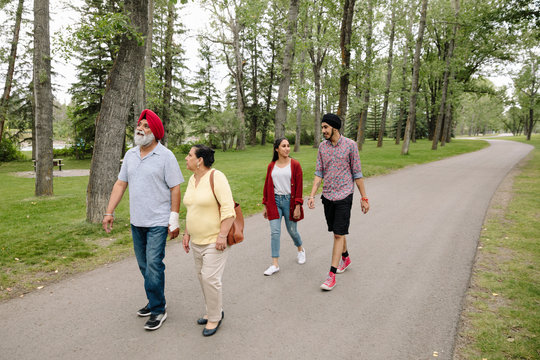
(212, 186)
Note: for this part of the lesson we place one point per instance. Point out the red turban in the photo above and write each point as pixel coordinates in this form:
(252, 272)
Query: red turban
(154, 122)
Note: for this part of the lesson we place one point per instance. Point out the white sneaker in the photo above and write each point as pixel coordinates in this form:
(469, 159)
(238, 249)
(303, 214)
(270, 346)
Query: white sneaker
(301, 256)
(272, 269)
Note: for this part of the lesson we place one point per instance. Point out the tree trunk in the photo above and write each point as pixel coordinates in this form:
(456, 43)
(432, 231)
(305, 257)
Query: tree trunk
(266, 119)
(446, 82)
(532, 102)
(361, 135)
(34, 137)
(414, 87)
(239, 82)
(139, 103)
(388, 78)
(301, 80)
(402, 105)
(11, 68)
(43, 99)
(111, 121)
(286, 71)
(255, 91)
(345, 45)
(447, 130)
(317, 106)
(166, 114)
(317, 59)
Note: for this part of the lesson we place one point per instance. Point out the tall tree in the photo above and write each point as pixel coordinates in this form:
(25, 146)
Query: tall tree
(254, 113)
(273, 35)
(117, 101)
(139, 103)
(388, 75)
(205, 90)
(11, 68)
(167, 89)
(527, 84)
(411, 118)
(43, 99)
(318, 47)
(299, 103)
(286, 70)
(232, 17)
(360, 136)
(94, 43)
(404, 71)
(446, 80)
(345, 46)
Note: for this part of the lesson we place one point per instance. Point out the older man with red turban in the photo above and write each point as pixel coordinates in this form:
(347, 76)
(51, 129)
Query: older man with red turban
(154, 179)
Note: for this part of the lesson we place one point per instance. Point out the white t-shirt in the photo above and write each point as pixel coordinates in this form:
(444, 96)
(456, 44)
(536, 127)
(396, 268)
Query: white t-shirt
(282, 179)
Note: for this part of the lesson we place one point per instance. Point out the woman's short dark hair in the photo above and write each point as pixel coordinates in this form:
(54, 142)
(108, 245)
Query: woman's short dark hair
(277, 142)
(206, 153)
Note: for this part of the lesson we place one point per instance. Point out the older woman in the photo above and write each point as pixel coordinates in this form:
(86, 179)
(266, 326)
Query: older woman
(207, 225)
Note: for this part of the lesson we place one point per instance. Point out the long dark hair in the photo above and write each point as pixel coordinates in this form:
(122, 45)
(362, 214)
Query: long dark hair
(206, 153)
(277, 142)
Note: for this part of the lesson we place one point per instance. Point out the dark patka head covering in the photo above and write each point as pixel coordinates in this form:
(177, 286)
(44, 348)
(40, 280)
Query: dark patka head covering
(333, 120)
(154, 122)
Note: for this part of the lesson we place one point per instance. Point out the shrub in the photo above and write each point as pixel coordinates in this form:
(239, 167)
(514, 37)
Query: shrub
(183, 148)
(9, 151)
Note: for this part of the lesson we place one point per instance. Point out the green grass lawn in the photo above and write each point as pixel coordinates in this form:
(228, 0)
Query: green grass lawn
(502, 314)
(46, 239)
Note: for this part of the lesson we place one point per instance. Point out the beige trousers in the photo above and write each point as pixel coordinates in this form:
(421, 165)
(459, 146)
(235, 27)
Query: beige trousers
(209, 265)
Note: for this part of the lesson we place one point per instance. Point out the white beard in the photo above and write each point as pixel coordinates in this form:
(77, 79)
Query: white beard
(142, 139)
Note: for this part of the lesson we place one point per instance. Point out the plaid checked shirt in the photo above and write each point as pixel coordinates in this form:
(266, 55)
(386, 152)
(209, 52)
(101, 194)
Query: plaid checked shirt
(338, 166)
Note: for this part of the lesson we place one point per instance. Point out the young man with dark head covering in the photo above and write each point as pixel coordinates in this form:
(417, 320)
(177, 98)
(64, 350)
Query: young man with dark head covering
(154, 179)
(338, 164)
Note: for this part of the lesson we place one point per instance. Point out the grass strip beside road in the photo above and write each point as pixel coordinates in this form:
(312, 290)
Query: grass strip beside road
(46, 239)
(501, 315)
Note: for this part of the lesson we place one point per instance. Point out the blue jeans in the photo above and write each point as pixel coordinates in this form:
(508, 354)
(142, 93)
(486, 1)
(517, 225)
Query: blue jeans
(149, 245)
(283, 203)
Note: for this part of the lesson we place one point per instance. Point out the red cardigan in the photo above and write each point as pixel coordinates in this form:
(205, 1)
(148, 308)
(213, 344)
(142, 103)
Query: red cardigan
(296, 192)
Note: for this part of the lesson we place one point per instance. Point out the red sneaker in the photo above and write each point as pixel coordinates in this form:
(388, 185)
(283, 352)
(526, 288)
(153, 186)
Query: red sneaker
(343, 264)
(330, 282)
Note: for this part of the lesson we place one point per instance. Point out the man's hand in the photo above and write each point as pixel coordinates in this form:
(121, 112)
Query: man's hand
(311, 203)
(365, 205)
(108, 223)
(174, 226)
(173, 234)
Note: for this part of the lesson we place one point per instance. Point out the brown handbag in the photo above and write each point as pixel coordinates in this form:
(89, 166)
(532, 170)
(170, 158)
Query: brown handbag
(236, 233)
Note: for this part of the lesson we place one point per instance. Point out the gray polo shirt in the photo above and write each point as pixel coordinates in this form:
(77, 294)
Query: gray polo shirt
(150, 180)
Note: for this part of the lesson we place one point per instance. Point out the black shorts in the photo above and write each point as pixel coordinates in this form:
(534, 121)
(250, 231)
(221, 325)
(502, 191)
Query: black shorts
(338, 214)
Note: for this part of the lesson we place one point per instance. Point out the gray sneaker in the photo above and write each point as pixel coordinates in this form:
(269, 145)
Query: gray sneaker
(145, 311)
(155, 321)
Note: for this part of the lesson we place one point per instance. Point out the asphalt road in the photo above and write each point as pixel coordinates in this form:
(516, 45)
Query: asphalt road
(401, 298)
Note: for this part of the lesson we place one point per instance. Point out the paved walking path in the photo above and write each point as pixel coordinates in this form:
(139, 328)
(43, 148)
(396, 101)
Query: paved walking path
(400, 299)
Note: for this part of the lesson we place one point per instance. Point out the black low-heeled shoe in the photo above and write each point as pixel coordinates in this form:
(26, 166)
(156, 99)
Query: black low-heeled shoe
(210, 332)
(203, 321)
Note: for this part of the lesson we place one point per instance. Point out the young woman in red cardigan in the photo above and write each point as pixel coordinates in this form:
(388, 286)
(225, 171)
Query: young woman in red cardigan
(282, 197)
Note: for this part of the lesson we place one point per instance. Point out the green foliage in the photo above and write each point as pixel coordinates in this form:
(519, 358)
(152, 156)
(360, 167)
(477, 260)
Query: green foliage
(480, 114)
(9, 151)
(94, 42)
(183, 149)
(174, 112)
